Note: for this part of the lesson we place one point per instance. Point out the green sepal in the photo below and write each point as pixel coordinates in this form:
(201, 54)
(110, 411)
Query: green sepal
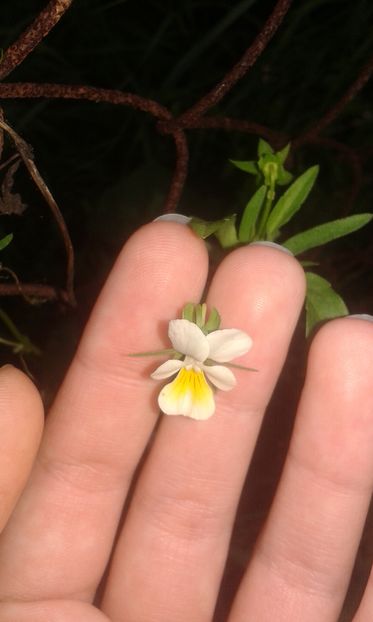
(200, 311)
(166, 351)
(188, 312)
(213, 322)
(236, 366)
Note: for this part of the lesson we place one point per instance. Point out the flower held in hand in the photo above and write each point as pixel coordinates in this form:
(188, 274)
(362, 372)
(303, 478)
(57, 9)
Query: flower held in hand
(197, 357)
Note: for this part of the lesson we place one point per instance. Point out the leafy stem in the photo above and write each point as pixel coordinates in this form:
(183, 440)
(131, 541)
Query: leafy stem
(264, 217)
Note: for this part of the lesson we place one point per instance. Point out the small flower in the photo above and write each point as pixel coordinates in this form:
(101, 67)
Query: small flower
(197, 353)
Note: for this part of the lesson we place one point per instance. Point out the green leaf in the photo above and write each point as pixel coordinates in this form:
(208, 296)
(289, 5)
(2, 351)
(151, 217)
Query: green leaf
(322, 234)
(205, 228)
(264, 148)
(245, 165)
(226, 232)
(291, 200)
(284, 177)
(309, 264)
(251, 212)
(283, 153)
(322, 302)
(5, 241)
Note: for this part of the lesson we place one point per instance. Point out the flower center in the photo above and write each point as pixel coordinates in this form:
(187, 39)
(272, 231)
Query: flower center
(191, 384)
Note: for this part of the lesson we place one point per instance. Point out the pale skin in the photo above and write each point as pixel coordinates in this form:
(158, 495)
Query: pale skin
(61, 502)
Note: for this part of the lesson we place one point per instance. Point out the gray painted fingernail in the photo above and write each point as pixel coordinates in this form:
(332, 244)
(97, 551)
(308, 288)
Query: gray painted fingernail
(180, 218)
(362, 316)
(272, 245)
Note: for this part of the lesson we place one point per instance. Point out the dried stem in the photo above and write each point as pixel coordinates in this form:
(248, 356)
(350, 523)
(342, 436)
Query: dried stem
(34, 290)
(240, 69)
(180, 173)
(32, 36)
(26, 155)
(25, 90)
(229, 124)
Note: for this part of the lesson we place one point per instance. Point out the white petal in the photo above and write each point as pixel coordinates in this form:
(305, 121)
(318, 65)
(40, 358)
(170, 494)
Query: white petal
(167, 369)
(188, 395)
(188, 339)
(220, 376)
(227, 344)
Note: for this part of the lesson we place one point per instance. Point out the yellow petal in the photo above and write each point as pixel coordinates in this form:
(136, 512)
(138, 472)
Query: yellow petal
(188, 395)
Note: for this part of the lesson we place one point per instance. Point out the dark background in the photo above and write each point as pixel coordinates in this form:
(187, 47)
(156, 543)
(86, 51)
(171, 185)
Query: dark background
(109, 169)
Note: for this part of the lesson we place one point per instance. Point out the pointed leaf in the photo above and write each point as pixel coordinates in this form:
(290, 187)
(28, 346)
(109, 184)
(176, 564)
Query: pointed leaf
(264, 148)
(309, 264)
(284, 178)
(226, 233)
(322, 302)
(5, 241)
(251, 212)
(326, 233)
(247, 166)
(283, 153)
(205, 228)
(291, 200)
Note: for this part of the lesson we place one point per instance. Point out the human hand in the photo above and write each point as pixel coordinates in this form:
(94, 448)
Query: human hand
(168, 557)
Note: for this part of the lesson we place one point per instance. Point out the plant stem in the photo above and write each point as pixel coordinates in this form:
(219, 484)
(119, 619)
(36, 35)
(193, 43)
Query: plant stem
(265, 213)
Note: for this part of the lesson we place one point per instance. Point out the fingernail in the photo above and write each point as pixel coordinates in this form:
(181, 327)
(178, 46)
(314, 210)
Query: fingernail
(272, 245)
(180, 218)
(362, 316)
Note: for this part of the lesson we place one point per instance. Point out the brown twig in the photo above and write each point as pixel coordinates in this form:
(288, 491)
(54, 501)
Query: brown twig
(229, 124)
(336, 110)
(25, 90)
(26, 155)
(180, 173)
(82, 92)
(240, 69)
(34, 290)
(32, 36)
(15, 156)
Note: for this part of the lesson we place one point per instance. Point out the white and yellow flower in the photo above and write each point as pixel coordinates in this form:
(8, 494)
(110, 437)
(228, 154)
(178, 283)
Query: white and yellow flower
(189, 393)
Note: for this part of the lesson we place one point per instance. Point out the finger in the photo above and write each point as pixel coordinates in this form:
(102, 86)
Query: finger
(21, 424)
(50, 611)
(303, 560)
(100, 422)
(365, 611)
(172, 550)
